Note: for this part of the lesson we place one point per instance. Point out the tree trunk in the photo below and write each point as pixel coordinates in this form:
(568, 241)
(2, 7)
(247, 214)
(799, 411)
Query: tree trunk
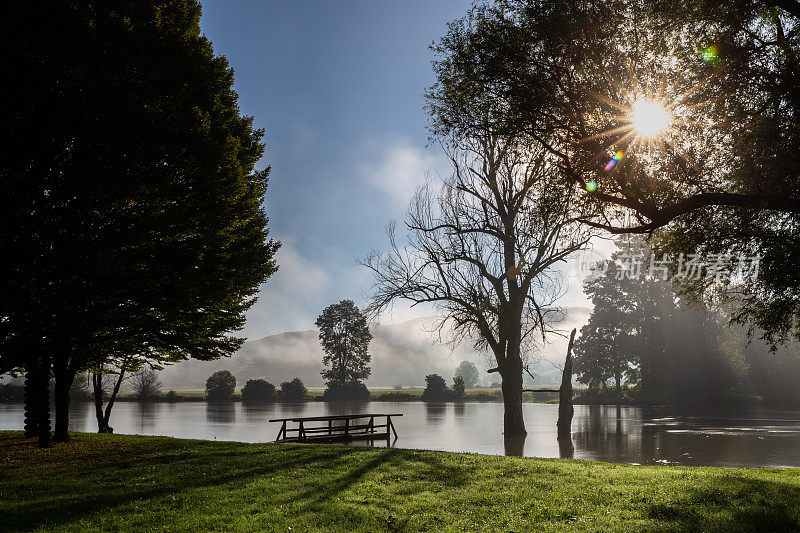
(64, 380)
(32, 398)
(565, 408)
(42, 390)
(97, 390)
(513, 421)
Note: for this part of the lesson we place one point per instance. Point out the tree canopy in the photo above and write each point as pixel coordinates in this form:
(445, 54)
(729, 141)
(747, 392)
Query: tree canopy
(720, 175)
(345, 336)
(132, 218)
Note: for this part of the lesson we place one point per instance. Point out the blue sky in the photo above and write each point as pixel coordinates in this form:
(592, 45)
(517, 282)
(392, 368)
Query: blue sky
(338, 87)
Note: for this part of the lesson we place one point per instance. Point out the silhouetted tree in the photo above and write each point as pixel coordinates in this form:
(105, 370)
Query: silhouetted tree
(483, 249)
(344, 335)
(468, 372)
(220, 386)
(293, 391)
(435, 389)
(458, 388)
(723, 174)
(146, 385)
(258, 390)
(132, 223)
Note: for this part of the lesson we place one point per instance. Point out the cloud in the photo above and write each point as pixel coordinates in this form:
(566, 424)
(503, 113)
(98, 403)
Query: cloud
(398, 167)
(285, 299)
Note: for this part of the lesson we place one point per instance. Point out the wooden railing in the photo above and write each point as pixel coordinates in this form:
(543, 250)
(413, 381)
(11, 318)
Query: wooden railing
(322, 428)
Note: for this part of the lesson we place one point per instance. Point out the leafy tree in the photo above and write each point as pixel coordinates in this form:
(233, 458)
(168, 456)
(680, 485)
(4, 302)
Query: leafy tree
(720, 176)
(146, 385)
(458, 388)
(483, 250)
(258, 390)
(468, 372)
(220, 386)
(435, 389)
(293, 391)
(344, 335)
(132, 223)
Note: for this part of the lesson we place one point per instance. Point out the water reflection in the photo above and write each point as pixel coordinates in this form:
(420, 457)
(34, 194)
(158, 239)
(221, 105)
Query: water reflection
(566, 449)
(221, 413)
(146, 413)
(258, 411)
(459, 414)
(514, 446)
(434, 413)
(744, 437)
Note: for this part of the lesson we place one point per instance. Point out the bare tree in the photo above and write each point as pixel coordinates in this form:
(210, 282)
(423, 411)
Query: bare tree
(146, 385)
(483, 250)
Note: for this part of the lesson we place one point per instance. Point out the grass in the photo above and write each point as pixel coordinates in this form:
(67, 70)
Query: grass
(133, 483)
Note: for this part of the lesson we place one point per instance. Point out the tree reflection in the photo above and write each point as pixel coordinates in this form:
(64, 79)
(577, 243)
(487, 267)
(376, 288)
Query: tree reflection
(514, 446)
(566, 450)
(221, 413)
(434, 413)
(146, 414)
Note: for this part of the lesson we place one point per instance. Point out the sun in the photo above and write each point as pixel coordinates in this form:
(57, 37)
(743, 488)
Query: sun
(649, 117)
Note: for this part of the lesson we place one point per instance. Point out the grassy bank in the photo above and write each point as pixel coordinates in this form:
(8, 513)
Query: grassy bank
(153, 483)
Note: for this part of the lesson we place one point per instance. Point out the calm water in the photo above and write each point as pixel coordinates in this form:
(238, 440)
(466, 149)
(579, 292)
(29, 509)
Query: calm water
(604, 433)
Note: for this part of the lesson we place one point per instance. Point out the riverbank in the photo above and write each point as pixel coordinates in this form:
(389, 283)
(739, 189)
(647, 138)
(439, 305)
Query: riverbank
(153, 483)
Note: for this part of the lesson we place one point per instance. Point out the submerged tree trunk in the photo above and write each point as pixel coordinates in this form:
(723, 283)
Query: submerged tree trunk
(513, 421)
(42, 391)
(565, 408)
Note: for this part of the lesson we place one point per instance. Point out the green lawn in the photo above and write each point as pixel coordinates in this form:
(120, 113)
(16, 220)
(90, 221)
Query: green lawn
(116, 482)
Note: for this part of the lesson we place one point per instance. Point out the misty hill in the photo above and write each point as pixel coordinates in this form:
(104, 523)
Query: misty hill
(401, 354)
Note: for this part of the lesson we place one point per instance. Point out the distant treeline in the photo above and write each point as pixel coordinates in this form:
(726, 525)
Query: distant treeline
(646, 343)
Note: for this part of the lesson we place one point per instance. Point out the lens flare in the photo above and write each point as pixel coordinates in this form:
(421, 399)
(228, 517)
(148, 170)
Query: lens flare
(614, 160)
(591, 185)
(710, 55)
(650, 118)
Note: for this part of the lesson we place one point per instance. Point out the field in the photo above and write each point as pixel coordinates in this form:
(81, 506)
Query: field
(117, 482)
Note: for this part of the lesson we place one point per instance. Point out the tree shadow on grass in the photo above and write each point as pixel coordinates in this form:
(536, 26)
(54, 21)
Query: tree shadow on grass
(61, 502)
(732, 503)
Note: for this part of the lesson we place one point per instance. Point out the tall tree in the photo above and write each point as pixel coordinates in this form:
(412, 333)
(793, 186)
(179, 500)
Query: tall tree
(587, 79)
(345, 337)
(467, 371)
(132, 223)
(483, 249)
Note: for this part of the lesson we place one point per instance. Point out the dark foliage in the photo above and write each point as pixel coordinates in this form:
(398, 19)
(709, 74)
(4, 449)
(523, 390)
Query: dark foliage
(258, 390)
(131, 219)
(220, 386)
(293, 391)
(435, 389)
(350, 392)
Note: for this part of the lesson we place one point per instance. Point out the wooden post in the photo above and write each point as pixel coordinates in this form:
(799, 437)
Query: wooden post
(565, 408)
(282, 432)
(330, 427)
(302, 432)
(390, 426)
(347, 427)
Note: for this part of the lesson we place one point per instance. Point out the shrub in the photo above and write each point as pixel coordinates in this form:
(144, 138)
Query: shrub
(293, 391)
(458, 388)
(171, 396)
(436, 389)
(12, 392)
(351, 392)
(258, 390)
(220, 386)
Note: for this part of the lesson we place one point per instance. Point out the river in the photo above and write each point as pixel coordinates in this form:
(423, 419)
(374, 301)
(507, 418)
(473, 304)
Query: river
(634, 435)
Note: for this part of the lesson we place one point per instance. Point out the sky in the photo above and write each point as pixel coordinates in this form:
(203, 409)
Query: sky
(338, 87)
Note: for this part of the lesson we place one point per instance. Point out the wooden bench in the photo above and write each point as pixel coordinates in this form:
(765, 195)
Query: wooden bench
(323, 429)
